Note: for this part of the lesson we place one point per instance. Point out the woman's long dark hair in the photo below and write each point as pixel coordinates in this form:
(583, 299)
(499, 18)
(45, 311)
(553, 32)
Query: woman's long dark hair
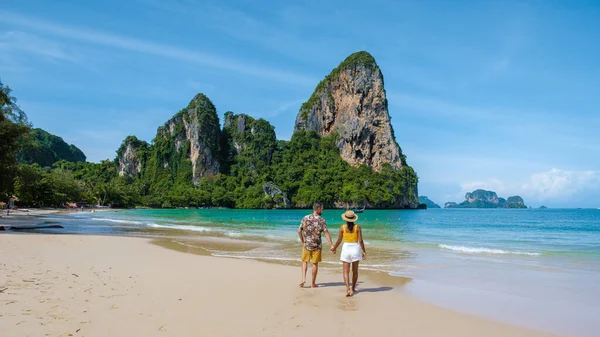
(350, 225)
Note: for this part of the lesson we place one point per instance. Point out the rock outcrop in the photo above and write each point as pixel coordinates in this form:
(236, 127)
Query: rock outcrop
(279, 199)
(193, 133)
(247, 139)
(131, 156)
(351, 102)
(515, 202)
(484, 197)
(430, 204)
(487, 199)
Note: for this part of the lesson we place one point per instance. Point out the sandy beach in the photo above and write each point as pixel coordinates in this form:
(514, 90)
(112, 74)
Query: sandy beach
(65, 285)
(21, 212)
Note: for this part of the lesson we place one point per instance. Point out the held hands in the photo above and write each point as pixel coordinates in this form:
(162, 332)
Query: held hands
(333, 249)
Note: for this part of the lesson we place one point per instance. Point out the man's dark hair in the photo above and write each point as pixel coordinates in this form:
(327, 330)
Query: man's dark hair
(317, 205)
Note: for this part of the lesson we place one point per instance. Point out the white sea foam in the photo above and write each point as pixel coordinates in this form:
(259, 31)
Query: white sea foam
(129, 222)
(180, 227)
(482, 250)
(233, 234)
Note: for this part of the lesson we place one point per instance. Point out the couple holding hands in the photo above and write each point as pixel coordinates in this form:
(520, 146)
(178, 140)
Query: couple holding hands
(353, 250)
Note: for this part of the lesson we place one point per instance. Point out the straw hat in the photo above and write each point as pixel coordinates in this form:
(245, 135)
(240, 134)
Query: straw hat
(350, 216)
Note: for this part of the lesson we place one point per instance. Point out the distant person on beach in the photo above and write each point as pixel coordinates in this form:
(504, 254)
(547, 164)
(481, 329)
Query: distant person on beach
(351, 254)
(309, 233)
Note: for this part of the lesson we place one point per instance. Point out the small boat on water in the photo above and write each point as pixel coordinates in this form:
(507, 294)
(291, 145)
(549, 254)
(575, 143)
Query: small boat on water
(356, 210)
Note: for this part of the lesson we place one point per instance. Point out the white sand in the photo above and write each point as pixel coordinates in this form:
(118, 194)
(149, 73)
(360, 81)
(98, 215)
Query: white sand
(62, 285)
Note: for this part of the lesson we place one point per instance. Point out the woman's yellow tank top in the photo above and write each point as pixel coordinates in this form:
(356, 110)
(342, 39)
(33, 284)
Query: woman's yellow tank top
(350, 236)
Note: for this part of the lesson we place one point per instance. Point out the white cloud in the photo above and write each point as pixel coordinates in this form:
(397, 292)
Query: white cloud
(30, 43)
(561, 184)
(153, 48)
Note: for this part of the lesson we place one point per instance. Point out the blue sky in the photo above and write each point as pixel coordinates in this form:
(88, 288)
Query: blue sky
(482, 94)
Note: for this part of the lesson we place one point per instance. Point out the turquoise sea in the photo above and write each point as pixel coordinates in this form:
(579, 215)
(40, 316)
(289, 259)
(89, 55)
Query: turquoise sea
(536, 268)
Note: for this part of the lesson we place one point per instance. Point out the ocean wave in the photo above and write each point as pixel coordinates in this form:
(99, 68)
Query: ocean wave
(129, 222)
(481, 250)
(180, 227)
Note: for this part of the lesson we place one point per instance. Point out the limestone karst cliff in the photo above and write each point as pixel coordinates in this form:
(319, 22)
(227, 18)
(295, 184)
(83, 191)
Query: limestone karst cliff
(343, 153)
(131, 156)
(351, 101)
(247, 139)
(194, 134)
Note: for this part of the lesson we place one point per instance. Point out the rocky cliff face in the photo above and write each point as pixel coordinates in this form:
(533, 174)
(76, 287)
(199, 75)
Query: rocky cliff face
(515, 202)
(276, 196)
(194, 133)
(131, 156)
(488, 197)
(351, 101)
(430, 204)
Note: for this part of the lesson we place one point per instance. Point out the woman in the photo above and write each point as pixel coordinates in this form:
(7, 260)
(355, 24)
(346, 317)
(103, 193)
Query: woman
(351, 234)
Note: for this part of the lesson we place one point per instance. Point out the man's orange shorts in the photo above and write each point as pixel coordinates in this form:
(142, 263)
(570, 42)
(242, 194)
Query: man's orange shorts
(313, 256)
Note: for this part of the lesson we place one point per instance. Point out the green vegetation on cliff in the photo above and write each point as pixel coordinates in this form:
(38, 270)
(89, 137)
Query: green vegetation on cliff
(45, 149)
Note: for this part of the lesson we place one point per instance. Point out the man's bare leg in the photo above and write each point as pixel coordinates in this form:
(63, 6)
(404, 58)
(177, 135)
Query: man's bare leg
(315, 270)
(304, 269)
(346, 272)
(354, 275)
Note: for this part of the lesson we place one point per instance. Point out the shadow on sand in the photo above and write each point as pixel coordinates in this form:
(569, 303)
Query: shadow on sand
(373, 290)
(334, 284)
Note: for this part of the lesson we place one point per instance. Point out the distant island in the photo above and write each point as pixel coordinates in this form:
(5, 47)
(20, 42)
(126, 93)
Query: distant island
(487, 199)
(543, 207)
(425, 200)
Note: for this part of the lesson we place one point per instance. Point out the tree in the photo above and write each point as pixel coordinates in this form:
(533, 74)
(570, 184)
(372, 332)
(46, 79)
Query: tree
(28, 185)
(13, 127)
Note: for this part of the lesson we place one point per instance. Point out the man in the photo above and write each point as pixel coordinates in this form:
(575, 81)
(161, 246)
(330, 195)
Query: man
(309, 233)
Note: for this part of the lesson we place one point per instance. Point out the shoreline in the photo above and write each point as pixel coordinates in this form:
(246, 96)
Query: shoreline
(36, 212)
(139, 288)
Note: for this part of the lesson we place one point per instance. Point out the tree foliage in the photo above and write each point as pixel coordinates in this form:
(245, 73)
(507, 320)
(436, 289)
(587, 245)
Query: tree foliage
(13, 128)
(46, 149)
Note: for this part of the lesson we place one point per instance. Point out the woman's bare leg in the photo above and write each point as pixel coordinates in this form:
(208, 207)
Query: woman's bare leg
(354, 275)
(347, 278)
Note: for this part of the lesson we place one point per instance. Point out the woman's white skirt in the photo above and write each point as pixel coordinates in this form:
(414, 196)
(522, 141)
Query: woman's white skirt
(351, 252)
